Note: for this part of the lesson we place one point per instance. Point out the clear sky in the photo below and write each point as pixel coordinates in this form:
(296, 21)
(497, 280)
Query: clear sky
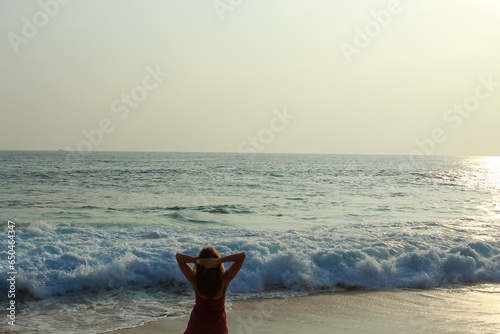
(291, 76)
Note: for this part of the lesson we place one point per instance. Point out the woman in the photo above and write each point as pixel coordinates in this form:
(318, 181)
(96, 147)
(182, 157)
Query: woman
(210, 282)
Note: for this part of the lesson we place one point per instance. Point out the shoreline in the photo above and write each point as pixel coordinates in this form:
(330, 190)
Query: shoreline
(360, 311)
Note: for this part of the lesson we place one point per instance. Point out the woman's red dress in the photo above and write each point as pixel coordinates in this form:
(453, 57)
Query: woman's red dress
(208, 316)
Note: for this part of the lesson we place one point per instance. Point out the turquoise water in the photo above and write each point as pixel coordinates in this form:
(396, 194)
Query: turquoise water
(97, 232)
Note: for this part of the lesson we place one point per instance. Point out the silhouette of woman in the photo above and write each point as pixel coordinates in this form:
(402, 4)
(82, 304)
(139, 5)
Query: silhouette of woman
(210, 282)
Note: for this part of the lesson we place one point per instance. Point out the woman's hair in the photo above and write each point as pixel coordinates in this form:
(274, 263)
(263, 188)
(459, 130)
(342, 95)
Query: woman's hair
(208, 281)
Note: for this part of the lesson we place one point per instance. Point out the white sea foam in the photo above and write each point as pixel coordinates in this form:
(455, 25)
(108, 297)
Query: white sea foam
(56, 259)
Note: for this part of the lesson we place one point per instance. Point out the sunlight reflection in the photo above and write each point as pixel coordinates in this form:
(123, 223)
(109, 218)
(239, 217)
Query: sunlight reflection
(486, 177)
(492, 172)
(493, 165)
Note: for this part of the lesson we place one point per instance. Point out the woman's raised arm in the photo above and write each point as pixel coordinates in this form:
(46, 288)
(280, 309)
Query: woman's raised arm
(182, 261)
(238, 260)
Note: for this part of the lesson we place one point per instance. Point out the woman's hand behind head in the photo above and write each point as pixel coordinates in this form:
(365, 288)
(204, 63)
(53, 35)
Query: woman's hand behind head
(210, 263)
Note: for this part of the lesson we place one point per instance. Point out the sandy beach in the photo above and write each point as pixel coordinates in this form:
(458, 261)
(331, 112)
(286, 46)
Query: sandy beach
(386, 311)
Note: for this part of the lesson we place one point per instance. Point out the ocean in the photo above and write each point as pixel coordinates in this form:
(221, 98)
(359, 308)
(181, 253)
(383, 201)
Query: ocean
(97, 232)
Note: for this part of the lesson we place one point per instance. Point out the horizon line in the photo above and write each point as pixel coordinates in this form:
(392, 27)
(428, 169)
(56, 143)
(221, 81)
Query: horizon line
(242, 153)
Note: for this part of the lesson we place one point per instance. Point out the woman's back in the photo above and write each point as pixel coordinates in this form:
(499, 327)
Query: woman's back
(210, 282)
(208, 316)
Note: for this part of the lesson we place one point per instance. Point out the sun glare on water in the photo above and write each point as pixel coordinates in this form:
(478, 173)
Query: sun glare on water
(489, 167)
(492, 171)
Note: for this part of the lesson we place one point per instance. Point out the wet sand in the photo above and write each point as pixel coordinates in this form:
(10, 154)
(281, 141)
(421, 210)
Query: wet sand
(381, 311)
